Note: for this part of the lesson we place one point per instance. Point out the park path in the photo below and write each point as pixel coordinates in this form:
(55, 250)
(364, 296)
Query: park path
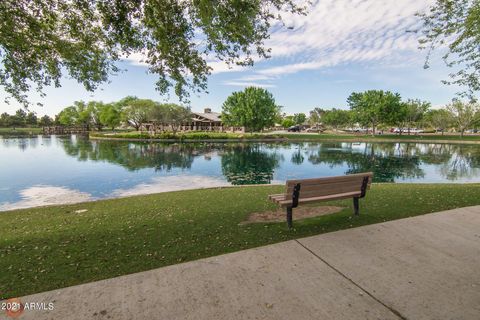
(426, 267)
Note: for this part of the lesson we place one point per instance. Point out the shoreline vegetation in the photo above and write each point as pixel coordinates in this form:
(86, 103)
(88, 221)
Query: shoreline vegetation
(282, 137)
(47, 248)
(202, 136)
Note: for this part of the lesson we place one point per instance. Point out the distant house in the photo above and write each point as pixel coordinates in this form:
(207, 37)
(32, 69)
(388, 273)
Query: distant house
(206, 121)
(201, 121)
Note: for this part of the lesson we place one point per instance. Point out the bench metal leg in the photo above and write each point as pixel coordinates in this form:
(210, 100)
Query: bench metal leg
(289, 217)
(355, 206)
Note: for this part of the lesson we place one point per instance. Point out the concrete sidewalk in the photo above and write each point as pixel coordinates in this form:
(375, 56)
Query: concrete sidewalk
(427, 267)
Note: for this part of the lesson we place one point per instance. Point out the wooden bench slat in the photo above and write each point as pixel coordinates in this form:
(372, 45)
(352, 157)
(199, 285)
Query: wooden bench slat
(314, 181)
(353, 184)
(326, 189)
(322, 198)
(278, 199)
(276, 195)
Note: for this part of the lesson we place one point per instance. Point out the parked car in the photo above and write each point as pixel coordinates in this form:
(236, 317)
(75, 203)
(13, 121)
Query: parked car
(315, 130)
(294, 129)
(407, 130)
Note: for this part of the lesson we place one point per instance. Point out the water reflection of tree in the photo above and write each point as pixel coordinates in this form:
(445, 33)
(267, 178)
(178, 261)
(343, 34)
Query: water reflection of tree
(255, 163)
(297, 157)
(387, 161)
(135, 156)
(463, 163)
(249, 163)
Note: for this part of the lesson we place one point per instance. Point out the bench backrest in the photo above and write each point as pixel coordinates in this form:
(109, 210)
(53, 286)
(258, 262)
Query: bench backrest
(319, 187)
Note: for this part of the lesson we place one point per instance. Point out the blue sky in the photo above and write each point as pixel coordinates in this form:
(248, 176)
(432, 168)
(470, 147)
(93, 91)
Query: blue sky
(340, 47)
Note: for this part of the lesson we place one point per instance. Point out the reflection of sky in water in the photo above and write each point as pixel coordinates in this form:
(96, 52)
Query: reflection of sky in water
(39, 171)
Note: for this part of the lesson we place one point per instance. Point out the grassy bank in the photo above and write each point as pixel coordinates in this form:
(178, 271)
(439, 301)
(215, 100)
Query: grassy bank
(20, 131)
(385, 137)
(198, 136)
(52, 247)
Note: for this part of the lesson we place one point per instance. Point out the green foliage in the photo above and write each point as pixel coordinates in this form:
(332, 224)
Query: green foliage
(288, 121)
(123, 236)
(45, 121)
(412, 113)
(191, 135)
(455, 24)
(374, 107)
(68, 116)
(299, 118)
(439, 119)
(31, 119)
(315, 118)
(178, 115)
(254, 109)
(336, 118)
(464, 114)
(40, 40)
(135, 111)
(110, 116)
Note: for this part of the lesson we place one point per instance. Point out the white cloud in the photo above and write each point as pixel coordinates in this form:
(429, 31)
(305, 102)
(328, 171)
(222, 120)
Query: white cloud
(171, 183)
(42, 195)
(137, 59)
(339, 32)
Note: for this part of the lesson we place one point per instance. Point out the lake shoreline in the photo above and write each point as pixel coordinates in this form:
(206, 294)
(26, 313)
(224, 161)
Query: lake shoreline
(289, 139)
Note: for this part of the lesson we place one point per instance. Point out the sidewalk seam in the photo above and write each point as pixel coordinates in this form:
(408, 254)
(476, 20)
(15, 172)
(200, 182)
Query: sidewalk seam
(398, 314)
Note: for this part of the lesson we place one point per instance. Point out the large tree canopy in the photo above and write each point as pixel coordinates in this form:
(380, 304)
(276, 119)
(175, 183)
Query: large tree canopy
(40, 40)
(373, 107)
(254, 108)
(456, 25)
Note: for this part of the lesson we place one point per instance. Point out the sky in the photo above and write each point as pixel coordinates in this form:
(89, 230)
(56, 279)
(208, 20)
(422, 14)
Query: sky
(317, 60)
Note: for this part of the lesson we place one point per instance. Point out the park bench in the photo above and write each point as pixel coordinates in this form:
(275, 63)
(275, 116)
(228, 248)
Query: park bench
(323, 189)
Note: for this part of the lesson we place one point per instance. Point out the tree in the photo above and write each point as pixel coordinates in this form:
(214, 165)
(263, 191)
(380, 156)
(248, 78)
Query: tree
(45, 121)
(373, 107)
(169, 114)
(299, 118)
(463, 114)
(288, 121)
(5, 120)
(254, 109)
(42, 39)
(315, 118)
(68, 116)
(110, 116)
(79, 114)
(176, 115)
(135, 111)
(414, 112)
(440, 119)
(455, 24)
(92, 111)
(31, 119)
(336, 118)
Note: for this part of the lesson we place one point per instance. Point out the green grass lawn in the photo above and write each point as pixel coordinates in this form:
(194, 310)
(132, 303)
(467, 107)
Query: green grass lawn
(201, 135)
(392, 137)
(53, 247)
(20, 131)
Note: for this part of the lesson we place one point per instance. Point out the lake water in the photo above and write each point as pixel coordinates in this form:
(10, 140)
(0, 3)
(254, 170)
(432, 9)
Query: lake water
(49, 170)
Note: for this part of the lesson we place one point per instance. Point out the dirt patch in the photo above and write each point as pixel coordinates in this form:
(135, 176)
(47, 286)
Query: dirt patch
(298, 214)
